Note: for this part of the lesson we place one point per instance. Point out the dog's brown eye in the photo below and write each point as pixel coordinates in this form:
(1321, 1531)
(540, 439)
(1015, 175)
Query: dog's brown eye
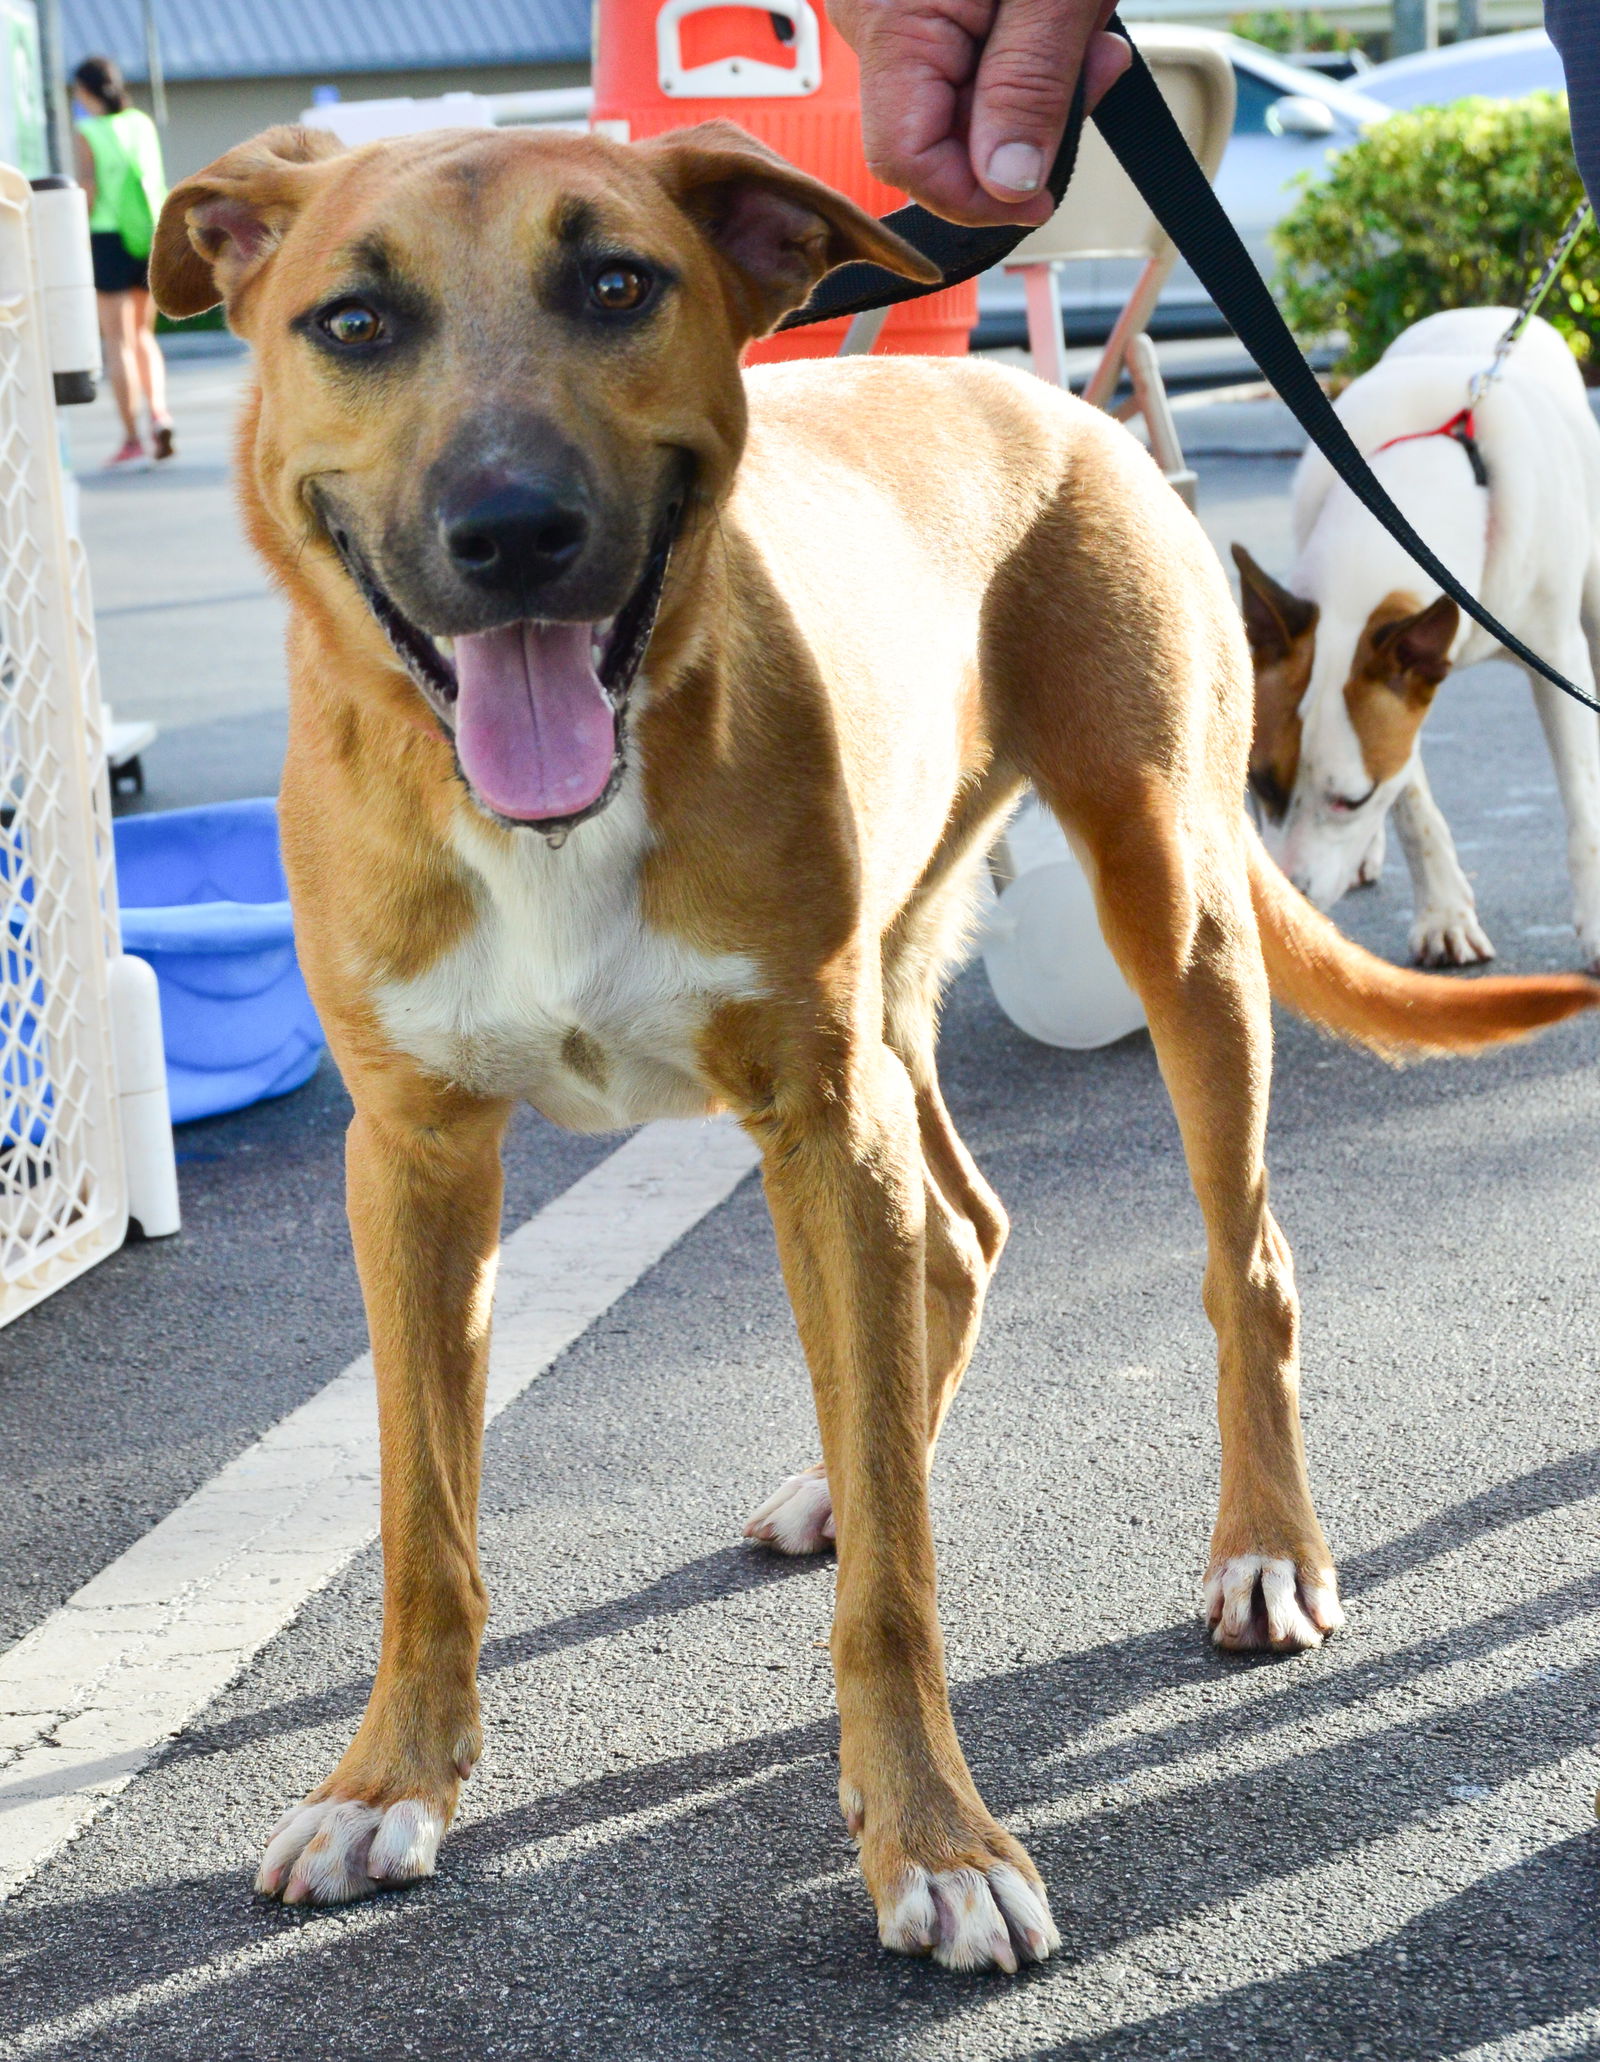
(619, 288)
(353, 324)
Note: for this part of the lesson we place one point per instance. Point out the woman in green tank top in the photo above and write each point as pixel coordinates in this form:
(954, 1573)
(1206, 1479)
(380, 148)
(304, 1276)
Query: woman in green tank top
(119, 165)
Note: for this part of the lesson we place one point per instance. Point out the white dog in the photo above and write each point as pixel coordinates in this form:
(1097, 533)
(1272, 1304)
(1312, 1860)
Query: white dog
(1349, 655)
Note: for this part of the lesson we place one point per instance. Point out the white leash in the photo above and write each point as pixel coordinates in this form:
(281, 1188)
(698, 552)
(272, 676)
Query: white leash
(1482, 381)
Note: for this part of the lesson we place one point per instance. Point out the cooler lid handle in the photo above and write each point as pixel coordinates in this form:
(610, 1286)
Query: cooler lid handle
(739, 78)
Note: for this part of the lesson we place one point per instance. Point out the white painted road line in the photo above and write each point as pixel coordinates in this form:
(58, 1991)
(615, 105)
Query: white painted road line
(88, 1697)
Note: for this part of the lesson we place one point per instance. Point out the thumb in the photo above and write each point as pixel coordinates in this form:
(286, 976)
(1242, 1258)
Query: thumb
(1024, 88)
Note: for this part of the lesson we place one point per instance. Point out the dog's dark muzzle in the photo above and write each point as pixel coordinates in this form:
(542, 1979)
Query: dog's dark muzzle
(534, 703)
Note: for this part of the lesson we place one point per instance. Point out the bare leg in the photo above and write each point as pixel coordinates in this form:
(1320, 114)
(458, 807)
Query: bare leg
(120, 366)
(1445, 931)
(151, 365)
(423, 1164)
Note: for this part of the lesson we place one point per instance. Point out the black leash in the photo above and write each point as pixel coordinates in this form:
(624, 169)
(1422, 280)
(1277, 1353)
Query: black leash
(960, 253)
(1138, 125)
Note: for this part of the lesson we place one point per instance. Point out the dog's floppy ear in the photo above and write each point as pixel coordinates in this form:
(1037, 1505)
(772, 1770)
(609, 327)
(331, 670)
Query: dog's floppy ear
(1401, 657)
(1415, 650)
(218, 228)
(1273, 617)
(777, 229)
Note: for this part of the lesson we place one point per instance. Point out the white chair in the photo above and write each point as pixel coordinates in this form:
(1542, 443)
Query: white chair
(1104, 217)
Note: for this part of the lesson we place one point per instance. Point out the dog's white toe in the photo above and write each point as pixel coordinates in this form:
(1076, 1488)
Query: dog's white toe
(1449, 938)
(798, 1517)
(971, 1919)
(340, 1849)
(1256, 1601)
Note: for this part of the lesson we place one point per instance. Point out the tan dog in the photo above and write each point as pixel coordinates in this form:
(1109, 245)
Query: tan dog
(499, 410)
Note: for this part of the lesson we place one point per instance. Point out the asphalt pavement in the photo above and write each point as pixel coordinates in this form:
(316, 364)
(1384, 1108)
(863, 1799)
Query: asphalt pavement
(1387, 1848)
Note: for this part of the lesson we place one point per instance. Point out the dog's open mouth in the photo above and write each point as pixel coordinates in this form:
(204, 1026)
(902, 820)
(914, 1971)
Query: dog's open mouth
(537, 710)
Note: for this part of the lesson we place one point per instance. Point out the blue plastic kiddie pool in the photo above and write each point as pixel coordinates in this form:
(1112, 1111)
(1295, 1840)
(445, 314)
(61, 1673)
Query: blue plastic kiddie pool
(205, 902)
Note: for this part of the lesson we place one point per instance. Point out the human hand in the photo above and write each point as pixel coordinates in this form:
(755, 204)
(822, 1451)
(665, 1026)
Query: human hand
(963, 102)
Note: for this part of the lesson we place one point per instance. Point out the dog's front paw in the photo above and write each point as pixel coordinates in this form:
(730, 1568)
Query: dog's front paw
(1449, 938)
(798, 1516)
(333, 1849)
(975, 1903)
(377, 1822)
(994, 1918)
(1261, 1600)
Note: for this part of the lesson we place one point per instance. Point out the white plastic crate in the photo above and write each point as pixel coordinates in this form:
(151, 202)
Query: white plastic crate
(63, 1183)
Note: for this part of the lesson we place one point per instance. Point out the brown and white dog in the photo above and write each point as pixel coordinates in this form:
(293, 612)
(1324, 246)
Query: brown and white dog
(649, 727)
(1351, 652)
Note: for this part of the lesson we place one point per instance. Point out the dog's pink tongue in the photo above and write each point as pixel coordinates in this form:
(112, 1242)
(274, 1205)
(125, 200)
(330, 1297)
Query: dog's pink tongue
(534, 730)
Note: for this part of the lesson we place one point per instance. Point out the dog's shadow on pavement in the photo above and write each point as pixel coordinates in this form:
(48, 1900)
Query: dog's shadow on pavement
(706, 1904)
(714, 1578)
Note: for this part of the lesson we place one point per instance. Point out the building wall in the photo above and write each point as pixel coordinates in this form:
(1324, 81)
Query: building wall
(205, 117)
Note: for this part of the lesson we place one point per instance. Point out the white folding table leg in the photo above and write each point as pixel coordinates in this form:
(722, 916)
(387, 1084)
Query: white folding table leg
(1047, 336)
(1135, 314)
(1150, 392)
(862, 334)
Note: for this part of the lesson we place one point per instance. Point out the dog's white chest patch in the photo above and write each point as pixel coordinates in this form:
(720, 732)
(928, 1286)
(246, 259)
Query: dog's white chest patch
(561, 995)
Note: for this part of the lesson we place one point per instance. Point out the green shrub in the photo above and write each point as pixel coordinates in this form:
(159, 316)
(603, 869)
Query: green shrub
(1440, 207)
(1275, 28)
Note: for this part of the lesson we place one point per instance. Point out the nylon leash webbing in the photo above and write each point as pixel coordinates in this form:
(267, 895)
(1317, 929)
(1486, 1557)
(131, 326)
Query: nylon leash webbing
(1138, 125)
(961, 253)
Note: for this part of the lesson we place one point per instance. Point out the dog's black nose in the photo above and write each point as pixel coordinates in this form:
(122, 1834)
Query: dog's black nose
(518, 537)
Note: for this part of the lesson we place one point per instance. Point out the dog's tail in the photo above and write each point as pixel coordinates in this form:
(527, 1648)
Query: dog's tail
(1321, 975)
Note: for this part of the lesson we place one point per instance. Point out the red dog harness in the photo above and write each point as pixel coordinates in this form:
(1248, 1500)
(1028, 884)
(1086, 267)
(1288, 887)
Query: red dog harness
(1460, 429)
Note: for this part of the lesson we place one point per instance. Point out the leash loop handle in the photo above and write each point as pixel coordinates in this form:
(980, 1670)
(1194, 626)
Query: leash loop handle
(960, 252)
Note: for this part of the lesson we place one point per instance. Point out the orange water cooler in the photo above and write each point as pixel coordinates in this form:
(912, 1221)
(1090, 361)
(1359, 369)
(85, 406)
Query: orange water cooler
(781, 70)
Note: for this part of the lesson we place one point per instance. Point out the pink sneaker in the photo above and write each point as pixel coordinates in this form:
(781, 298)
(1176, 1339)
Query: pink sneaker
(130, 459)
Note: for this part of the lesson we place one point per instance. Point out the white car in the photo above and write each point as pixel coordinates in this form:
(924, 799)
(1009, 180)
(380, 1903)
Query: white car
(1287, 120)
(1498, 67)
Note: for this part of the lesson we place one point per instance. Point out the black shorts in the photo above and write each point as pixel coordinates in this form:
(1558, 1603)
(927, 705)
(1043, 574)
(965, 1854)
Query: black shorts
(116, 270)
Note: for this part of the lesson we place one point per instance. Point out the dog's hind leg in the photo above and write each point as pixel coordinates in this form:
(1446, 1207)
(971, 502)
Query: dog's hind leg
(1573, 735)
(839, 1129)
(1171, 884)
(966, 1229)
(423, 1167)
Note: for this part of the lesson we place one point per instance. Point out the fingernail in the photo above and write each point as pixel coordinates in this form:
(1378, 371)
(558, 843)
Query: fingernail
(1018, 167)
